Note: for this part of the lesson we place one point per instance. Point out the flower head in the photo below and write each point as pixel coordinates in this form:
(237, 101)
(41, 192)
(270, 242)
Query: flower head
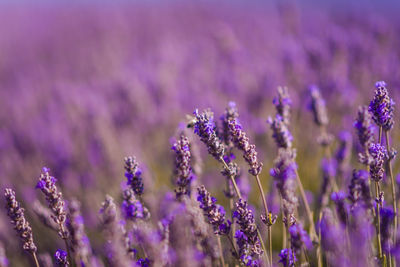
(231, 113)
(359, 192)
(382, 107)
(287, 257)
(283, 104)
(281, 134)
(183, 170)
(132, 208)
(298, 238)
(364, 127)
(318, 107)
(21, 225)
(134, 175)
(61, 258)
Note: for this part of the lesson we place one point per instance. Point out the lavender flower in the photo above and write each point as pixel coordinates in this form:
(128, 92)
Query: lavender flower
(364, 128)
(44, 215)
(387, 217)
(287, 257)
(231, 113)
(281, 134)
(133, 174)
(341, 206)
(213, 212)
(343, 153)
(285, 177)
(21, 225)
(328, 173)
(246, 238)
(183, 171)
(242, 142)
(359, 192)
(79, 240)
(382, 107)
(132, 208)
(204, 127)
(318, 107)
(375, 159)
(47, 184)
(283, 104)
(143, 262)
(61, 258)
(298, 238)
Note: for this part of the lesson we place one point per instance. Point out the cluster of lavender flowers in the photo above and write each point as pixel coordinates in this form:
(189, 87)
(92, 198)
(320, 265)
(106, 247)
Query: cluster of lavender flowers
(324, 208)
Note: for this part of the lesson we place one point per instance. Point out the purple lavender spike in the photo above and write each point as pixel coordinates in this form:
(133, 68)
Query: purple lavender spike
(21, 225)
(382, 107)
(183, 170)
(341, 206)
(359, 192)
(134, 175)
(376, 158)
(318, 107)
(242, 143)
(213, 212)
(61, 258)
(364, 128)
(287, 258)
(283, 104)
(132, 208)
(387, 218)
(281, 134)
(298, 238)
(204, 127)
(231, 113)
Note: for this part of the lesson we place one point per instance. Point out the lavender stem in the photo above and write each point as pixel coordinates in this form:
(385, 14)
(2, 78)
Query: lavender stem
(35, 259)
(232, 178)
(220, 251)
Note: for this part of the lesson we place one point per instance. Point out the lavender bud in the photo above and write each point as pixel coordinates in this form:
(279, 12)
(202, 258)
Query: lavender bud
(284, 173)
(281, 134)
(242, 143)
(133, 175)
(213, 212)
(377, 155)
(21, 225)
(364, 128)
(132, 208)
(283, 104)
(298, 238)
(387, 217)
(318, 107)
(204, 127)
(47, 184)
(183, 170)
(231, 113)
(246, 238)
(287, 258)
(382, 107)
(61, 258)
(328, 173)
(359, 192)
(341, 206)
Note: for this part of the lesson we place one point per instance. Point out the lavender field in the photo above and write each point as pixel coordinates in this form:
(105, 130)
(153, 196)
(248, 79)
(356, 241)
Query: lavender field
(199, 134)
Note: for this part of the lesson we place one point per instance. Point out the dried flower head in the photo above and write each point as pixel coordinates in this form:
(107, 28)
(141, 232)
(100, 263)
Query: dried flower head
(382, 107)
(21, 225)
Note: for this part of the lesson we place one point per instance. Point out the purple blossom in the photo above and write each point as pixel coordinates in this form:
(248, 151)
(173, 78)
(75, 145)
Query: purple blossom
(242, 143)
(61, 258)
(376, 158)
(183, 170)
(231, 113)
(318, 107)
(132, 208)
(21, 225)
(133, 174)
(359, 192)
(281, 134)
(382, 107)
(287, 257)
(298, 238)
(204, 127)
(387, 217)
(364, 128)
(283, 104)
(341, 206)
(213, 212)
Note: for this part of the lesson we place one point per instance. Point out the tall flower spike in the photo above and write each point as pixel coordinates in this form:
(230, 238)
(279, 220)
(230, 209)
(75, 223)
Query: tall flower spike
(287, 258)
(298, 238)
(280, 132)
(204, 127)
(341, 206)
(387, 217)
(364, 128)
(318, 107)
(183, 171)
(283, 104)
(213, 212)
(133, 174)
(242, 142)
(79, 240)
(21, 225)
(61, 258)
(132, 208)
(376, 158)
(247, 239)
(231, 113)
(47, 184)
(359, 192)
(382, 107)
(285, 177)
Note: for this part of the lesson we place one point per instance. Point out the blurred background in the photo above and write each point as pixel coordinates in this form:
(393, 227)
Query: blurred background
(82, 85)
